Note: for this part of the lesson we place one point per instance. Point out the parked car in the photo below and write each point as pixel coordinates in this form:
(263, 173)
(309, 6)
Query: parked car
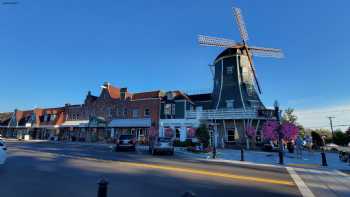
(331, 147)
(3, 153)
(344, 155)
(126, 142)
(161, 144)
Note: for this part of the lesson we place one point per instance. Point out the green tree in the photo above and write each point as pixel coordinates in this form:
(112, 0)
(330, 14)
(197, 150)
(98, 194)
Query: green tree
(340, 138)
(202, 134)
(316, 139)
(289, 116)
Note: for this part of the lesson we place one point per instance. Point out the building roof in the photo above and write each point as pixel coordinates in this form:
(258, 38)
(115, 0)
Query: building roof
(177, 95)
(227, 52)
(114, 92)
(201, 97)
(145, 95)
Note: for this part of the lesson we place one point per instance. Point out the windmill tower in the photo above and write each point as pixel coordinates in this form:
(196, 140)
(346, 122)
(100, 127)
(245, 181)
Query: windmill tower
(235, 80)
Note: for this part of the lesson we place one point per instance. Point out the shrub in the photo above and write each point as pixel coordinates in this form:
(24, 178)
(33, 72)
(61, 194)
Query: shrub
(203, 136)
(186, 143)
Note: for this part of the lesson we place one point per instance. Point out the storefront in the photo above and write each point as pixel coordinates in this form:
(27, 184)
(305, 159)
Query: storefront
(137, 127)
(73, 130)
(180, 129)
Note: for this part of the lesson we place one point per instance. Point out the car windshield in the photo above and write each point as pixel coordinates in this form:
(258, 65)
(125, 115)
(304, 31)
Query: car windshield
(126, 137)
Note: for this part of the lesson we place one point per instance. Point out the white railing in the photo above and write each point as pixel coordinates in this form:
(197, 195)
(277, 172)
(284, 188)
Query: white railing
(222, 114)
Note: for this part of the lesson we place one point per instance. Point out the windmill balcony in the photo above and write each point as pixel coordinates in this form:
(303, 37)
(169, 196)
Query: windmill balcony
(228, 114)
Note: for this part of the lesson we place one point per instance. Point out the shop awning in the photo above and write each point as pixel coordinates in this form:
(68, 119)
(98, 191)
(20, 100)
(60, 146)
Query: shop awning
(75, 123)
(146, 122)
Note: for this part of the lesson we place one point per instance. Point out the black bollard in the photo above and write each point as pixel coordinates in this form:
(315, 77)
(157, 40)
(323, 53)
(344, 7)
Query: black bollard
(102, 188)
(242, 154)
(214, 153)
(188, 194)
(324, 159)
(280, 155)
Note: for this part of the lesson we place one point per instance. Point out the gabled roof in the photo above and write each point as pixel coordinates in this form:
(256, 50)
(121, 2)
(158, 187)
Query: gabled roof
(114, 92)
(178, 95)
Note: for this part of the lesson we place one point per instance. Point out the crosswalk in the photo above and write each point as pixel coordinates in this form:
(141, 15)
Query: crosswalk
(330, 183)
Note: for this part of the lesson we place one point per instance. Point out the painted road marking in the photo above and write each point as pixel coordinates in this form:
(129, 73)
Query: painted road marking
(305, 165)
(182, 170)
(304, 190)
(208, 173)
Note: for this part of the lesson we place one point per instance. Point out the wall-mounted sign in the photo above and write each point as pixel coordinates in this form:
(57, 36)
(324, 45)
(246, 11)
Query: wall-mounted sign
(266, 113)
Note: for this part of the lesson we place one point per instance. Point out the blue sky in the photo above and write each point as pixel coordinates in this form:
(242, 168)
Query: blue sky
(53, 52)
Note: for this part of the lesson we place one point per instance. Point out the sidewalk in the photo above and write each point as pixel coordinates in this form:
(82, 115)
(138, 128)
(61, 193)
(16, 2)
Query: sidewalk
(311, 178)
(309, 160)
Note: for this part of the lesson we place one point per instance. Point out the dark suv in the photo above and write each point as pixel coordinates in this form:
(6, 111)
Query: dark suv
(126, 142)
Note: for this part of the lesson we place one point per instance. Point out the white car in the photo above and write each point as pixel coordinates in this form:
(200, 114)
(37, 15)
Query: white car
(3, 154)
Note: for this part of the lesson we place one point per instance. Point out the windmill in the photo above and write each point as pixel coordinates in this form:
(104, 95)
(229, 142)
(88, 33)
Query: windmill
(248, 51)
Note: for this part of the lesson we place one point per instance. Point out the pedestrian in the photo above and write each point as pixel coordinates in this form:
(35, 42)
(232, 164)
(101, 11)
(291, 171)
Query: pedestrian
(299, 147)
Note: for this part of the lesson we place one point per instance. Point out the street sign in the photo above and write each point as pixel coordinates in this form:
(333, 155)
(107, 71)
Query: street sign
(266, 113)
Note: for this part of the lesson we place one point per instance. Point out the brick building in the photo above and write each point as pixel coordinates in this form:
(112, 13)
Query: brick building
(113, 112)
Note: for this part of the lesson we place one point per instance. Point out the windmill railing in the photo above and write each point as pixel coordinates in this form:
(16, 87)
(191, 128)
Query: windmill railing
(224, 114)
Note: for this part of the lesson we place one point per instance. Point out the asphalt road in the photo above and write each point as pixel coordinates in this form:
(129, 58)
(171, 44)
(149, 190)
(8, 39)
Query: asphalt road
(59, 170)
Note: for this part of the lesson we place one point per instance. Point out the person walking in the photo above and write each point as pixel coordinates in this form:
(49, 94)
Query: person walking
(299, 147)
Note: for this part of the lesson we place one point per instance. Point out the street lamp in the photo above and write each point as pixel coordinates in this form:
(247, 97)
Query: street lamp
(279, 132)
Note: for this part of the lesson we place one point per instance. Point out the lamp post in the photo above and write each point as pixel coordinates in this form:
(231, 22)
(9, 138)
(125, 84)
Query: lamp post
(280, 134)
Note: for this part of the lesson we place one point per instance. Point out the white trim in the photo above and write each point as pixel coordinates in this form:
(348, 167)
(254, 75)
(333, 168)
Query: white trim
(224, 57)
(239, 82)
(304, 190)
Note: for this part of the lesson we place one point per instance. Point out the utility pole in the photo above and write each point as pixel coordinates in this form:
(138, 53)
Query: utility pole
(331, 124)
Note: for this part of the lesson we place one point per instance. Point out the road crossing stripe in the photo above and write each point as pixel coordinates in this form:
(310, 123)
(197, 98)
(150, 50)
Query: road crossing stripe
(304, 190)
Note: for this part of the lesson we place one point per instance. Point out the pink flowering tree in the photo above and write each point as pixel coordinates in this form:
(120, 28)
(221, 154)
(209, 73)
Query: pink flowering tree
(289, 130)
(270, 130)
(250, 132)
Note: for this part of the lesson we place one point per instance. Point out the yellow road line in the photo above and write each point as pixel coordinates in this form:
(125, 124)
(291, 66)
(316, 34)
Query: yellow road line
(208, 173)
(188, 170)
(304, 165)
